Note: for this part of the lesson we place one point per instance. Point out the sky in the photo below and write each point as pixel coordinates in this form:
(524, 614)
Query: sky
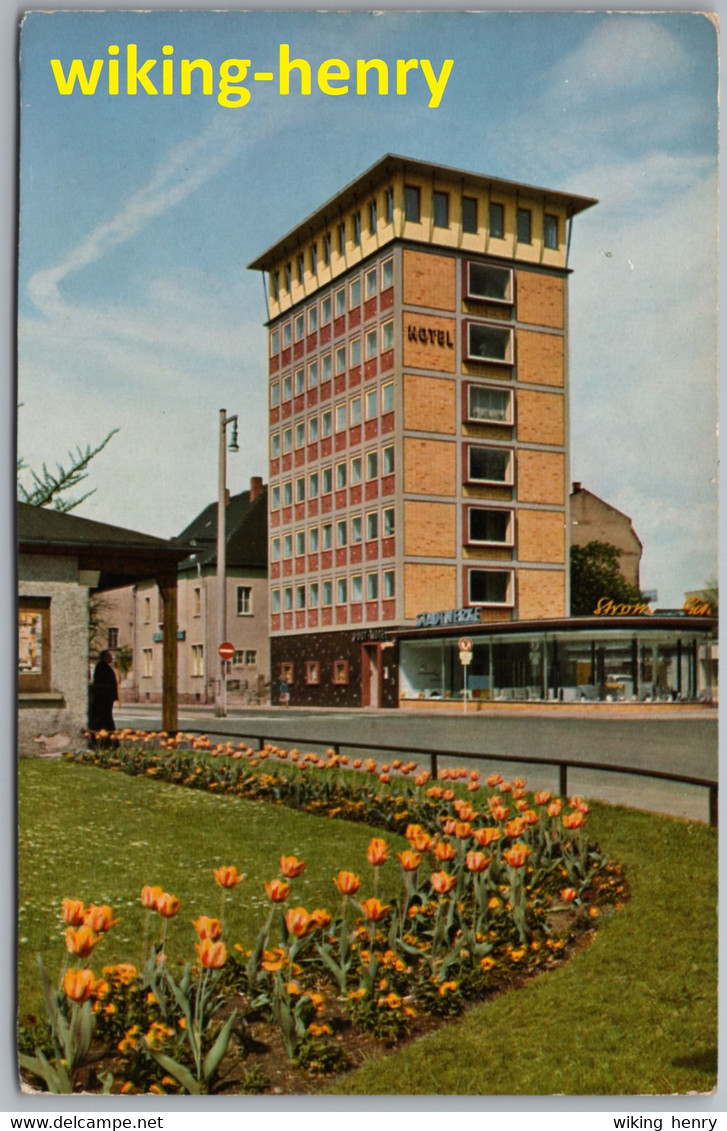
(139, 215)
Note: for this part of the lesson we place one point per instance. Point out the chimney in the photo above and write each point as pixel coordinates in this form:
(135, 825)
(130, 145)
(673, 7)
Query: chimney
(256, 487)
(576, 487)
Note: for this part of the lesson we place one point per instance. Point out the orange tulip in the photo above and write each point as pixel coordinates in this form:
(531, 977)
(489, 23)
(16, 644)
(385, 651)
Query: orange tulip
(297, 920)
(72, 911)
(78, 984)
(476, 861)
(168, 905)
(207, 928)
(377, 852)
(150, 895)
(319, 919)
(530, 817)
(573, 821)
(418, 839)
(291, 866)
(347, 883)
(579, 804)
(568, 894)
(554, 808)
(212, 955)
(442, 882)
(520, 783)
(443, 851)
(227, 876)
(486, 836)
(81, 941)
(278, 891)
(494, 779)
(462, 829)
(543, 796)
(517, 854)
(99, 917)
(409, 861)
(373, 909)
(515, 827)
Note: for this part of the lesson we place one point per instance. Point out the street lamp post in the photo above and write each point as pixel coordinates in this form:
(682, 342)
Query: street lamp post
(221, 699)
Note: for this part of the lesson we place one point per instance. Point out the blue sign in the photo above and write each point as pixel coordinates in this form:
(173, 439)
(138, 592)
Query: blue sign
(449, 616)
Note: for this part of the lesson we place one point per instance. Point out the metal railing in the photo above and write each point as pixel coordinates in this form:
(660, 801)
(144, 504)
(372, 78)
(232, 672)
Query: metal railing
(563, 765)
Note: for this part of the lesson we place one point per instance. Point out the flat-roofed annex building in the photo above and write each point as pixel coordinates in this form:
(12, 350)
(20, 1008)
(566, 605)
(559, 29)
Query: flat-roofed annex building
(418, 414)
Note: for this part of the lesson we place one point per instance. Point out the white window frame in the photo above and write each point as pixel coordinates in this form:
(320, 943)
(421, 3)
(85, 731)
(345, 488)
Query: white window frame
(475, 419)
(509, 539)
(243, 601)
(510, 474)
(488, 359)
(498, 271)
(507, 603)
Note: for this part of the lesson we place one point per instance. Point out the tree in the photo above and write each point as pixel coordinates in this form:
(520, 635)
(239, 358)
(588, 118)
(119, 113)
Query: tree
(48, 488)
(710, 594)
(595, 572)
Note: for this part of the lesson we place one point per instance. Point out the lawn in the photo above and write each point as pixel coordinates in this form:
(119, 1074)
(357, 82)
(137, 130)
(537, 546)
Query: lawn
(634, 1012)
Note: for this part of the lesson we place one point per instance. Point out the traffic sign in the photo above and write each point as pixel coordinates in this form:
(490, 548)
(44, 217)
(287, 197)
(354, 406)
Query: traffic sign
(465, 644)
(226, 650)
(465, 658)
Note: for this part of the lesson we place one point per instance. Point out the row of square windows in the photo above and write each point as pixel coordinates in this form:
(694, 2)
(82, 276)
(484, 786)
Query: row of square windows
(312, 673)
(347, 530)
(241, 658)
(332, 364)
(333, 306)
(441, 217)
(348, 473)
(345, 589)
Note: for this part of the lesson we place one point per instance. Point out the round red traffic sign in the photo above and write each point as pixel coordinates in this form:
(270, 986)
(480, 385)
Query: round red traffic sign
(465, 644)
(226, 650)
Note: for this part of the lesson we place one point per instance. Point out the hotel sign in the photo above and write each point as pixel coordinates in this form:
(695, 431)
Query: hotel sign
(430, 336)
(447, 617)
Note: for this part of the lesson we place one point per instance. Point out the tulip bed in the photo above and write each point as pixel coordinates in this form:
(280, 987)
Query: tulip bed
(495, 885)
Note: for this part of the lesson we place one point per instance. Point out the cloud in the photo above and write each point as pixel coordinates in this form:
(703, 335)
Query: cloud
(623, 53)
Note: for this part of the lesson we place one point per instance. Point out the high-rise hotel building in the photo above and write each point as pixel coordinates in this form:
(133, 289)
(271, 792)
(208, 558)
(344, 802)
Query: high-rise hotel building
(418, 408)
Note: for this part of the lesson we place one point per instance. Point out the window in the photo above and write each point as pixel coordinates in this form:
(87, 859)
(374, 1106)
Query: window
(356, 529)
(326, 536)
(389, 580)
(550, 230)
(300, 434)
(341, 470)
(339, 302)
(244, 601)
(326, 310)
(251, 657)
(326, 367)
(372, 217)
(354, 294)
(497, 221)
(490, 526)
(341, 591)
(387, 397)
(355, 471)
(371, 402)
(387, 273)
(300, 597)
(288, 276)
(313, 375)
(197, 602)
(300, 489)
(299, 381)
(340, 361)
(387, 336)
(341, 239)
(340, 416)
(489, 343)
(387, 460)
(327, 592)
(341, 532)
(372, 586)
(387, 522)
(355, 411)
(355, 352)
(275, 601)
(469, 214)
(356, 587)
(389, 205)
(148, 663)
(275, 394)
(340, 671)
(312, 429)
(287, 493)
(275, 549)
(275, 498)
(287, 672)
(147, 610)
(370, 283)
(440, 209)
(372, 344)
(197, 660)
(314, 258)
(34, 644)
(524, 225)
(275, 342)
(490, 587)
(326, 480)
(488, 404)
(299, 325)
(356, 229)
(287, 387)
(238, 659)
(275, 286)
(312, 671)
(301, 267)
(489, 465)
(372, 464)
(287, 545)
(327, 249)
(372, 526)
(313, 595)
(488, 282)
(288, 599)
(313, 539)
(287, 439)
(275, 445)
(326, 422)
(412, 203)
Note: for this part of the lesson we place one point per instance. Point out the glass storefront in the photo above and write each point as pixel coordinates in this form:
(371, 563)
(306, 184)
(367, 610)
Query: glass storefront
(643, 664)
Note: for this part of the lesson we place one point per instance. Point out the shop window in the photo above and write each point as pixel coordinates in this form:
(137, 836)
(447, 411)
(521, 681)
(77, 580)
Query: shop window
(287, 672)
(489, 405)
(340, 671)
(490, 586)
(497, 220)
(489, 465)
(440, 209)
(469, 214)
(524, 225)
(550, 230)
(312, 673)
(244, 601)
(34, 656)
(412, 203)
(490, 527)
(489, 343)
(484, 281)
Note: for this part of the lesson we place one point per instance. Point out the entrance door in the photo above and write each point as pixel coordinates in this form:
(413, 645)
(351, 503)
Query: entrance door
(371, 675)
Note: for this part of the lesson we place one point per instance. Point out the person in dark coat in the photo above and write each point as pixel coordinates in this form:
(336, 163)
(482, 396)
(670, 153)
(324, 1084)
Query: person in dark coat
(104, 691)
